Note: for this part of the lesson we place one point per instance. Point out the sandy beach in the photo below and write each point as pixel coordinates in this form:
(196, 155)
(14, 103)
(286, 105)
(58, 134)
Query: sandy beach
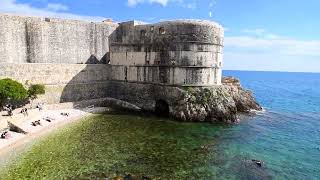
(17, 140)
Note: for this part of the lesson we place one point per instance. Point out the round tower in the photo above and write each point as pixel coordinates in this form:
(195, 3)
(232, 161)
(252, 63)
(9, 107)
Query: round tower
(181, 52)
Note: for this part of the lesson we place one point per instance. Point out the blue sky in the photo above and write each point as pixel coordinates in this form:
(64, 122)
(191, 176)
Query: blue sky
(270, 35)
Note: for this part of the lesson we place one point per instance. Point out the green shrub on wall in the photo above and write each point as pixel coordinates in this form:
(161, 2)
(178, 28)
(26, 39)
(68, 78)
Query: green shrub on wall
(35, 90)
(11, 90)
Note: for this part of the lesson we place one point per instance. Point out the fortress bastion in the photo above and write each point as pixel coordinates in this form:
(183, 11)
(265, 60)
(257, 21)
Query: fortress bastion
(172, 67)
(181, 52)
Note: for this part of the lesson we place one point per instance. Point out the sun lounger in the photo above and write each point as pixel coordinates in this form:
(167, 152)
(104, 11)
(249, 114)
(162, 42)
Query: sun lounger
(49, 119)
(65, 114)
(36, 123)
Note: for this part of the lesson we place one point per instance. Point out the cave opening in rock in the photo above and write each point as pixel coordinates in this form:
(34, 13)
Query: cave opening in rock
(162, 108)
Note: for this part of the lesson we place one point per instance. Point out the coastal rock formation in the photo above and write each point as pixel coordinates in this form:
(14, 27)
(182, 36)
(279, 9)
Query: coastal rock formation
(215, 104)
(243, 98)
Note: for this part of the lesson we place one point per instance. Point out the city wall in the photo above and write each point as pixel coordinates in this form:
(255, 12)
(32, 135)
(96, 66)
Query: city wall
(78, 82)
(63, 82)
(50, 40)
(140, 64)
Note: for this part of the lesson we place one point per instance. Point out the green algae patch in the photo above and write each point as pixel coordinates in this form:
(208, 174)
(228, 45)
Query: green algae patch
(108, 145)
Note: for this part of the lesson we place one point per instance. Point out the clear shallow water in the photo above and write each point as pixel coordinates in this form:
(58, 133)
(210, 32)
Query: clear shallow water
(286, 137)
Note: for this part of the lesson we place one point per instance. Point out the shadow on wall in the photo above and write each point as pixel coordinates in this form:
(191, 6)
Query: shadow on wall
(89, 83)
(94, 60)
(93, 84)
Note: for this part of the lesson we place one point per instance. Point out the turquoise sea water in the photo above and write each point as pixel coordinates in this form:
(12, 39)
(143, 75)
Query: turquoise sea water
(286, 137)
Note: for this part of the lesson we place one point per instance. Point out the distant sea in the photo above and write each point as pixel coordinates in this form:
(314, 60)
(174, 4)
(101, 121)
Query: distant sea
(287, 135)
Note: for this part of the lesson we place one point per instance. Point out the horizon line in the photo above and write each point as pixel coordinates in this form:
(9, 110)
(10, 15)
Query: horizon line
(278, 71)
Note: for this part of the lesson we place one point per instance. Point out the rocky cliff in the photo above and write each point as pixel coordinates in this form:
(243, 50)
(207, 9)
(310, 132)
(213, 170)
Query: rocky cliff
(215, 104)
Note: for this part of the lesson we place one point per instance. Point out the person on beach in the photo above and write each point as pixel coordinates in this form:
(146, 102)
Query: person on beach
(10, 112)
(65, 114)
(23, 112)
(5, 135)
(36, 123)
(39, 106)
(9, 109)
(26, 111)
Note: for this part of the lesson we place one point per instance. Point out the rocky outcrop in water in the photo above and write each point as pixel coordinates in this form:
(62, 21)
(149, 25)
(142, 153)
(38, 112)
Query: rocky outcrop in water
(215, 104)
(243, 98)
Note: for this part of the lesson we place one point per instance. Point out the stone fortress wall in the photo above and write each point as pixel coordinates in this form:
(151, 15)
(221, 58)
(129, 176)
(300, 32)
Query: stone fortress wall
(69, 57)
(64, 82)
(130, 61)
(181, 52)
(50, 40)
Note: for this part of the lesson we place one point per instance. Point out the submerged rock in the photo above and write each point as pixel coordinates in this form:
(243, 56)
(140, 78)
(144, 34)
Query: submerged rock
(258, 162)
(217, 103)
(253, 169)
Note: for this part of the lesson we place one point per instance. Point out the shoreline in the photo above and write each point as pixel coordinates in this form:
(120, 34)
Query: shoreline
(18, 140)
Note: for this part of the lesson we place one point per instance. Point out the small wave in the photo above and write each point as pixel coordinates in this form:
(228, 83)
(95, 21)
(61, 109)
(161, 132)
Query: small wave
(258, 111)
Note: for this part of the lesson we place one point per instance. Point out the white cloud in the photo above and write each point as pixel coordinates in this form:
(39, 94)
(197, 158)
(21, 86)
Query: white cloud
(270, 62)
(133, 3)
(57, 7)
(261, 50)
(212, 3)
(192, 6)
(52, 10)
(285, 46)
(164, 3)
(258, 31)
